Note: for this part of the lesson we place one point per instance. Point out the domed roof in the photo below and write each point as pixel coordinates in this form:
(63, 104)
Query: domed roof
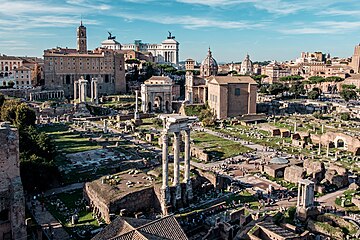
(209, 65)
(279, 160)
(247, 61)
(209, 60)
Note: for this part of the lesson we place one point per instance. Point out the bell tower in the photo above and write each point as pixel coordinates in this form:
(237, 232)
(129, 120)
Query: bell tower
(81, 39)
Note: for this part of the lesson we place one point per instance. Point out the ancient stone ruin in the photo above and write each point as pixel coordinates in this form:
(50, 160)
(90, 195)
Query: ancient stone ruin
(12, 201)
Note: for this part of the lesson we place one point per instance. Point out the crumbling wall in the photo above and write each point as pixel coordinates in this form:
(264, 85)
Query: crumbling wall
(293, 174)
(10, 182)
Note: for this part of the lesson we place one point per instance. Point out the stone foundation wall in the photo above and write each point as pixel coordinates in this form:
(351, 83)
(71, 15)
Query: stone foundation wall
(132, 202)
(199, 154)
(293, 174)
(10, 182)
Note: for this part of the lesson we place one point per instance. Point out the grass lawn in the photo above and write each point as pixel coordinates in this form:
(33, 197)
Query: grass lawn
(218, 147)
(66, 141)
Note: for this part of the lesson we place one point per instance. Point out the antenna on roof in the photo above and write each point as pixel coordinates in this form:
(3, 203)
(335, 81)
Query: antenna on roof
(81, 24)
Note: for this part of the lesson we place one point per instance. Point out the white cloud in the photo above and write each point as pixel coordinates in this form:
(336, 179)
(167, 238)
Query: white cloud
(191, 22)
(282, 7)
(322, 27)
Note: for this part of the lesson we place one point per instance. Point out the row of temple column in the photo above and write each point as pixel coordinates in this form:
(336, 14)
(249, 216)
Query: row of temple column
(57, 94)
(176, 180)
(80, 90)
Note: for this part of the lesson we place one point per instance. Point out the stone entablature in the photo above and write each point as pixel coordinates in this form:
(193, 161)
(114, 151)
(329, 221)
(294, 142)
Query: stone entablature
(175, 124)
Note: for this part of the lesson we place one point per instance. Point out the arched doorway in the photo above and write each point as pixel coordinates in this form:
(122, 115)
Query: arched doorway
(149, 107)
(340, 143)
(158, 102)
(357, 152)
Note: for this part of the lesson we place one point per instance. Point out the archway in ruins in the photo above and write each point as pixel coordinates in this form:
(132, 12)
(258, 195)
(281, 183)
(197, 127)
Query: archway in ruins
(357, 152)
(340, 143)
(158, 102)
(149, 107)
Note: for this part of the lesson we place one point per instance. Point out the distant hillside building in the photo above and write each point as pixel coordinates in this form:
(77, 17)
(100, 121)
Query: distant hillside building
(355, 62)
(166, 52)
(64, 66)
(247, 66)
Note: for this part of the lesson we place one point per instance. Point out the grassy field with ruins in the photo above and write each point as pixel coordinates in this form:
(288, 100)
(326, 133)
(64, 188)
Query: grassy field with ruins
(67, 141)
(62, 206)
(218, 147)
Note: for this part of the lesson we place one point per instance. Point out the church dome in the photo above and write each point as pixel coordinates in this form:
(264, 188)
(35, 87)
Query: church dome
(208, 66)
(246, 66)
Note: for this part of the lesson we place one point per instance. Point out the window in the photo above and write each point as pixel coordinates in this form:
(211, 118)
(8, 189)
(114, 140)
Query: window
(237, 91)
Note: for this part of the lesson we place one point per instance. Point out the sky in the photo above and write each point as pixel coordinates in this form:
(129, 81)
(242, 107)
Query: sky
(265, 29)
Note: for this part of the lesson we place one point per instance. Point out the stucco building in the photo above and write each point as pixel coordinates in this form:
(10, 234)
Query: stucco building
(64, 66)
(230, 96)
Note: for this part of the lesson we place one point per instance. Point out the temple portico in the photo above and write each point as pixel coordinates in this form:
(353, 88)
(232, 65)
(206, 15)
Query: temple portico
(46, 95)
(80, 90)
(175, 125)
(305, 200)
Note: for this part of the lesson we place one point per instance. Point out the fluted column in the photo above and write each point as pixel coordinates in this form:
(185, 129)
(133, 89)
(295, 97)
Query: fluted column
(92, 90)
(187, 155)
(299, 195)
(165, 193)
(76, 83)
(165, 174)
(136, 114)
(176, 158)
(84, 91)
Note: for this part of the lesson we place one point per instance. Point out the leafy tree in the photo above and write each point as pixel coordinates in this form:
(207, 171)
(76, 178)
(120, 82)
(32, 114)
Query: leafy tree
(345, 116)
(207, 117)
(232, 72)
(276, 88)
(25, 116)
(291, 78)
(180, 72)
(297, 89)
(348, 95)
(264, 89)
(37, 169)
(8, 111)
(334, 79)
(259, 77)
(348, 87)
(132, 61)
(313, 95)
(316, 79)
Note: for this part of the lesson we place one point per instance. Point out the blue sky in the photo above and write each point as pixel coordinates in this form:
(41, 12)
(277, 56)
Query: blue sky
(266, 29)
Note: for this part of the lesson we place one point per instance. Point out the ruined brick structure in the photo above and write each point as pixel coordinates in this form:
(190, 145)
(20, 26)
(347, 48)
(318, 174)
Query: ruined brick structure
(12, 201)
